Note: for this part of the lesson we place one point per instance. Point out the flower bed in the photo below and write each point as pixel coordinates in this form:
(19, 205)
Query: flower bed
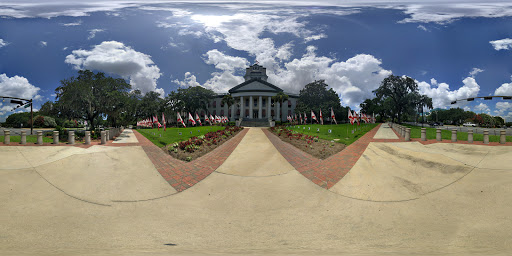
(196, 147)
(312, 145)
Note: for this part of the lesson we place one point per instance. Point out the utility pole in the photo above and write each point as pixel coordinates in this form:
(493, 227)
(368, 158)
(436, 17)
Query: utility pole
(31, 118)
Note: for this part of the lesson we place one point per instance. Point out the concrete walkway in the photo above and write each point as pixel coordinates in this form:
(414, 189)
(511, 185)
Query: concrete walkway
(127, 136)
(385, 132)
(255, 156)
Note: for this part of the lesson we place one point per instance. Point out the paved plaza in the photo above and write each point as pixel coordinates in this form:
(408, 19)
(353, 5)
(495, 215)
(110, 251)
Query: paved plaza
(257, 195)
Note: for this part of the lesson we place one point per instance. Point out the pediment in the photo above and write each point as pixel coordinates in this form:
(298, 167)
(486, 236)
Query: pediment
(255, 85)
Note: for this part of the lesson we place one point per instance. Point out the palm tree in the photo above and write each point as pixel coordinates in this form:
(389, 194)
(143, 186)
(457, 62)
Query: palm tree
(228, 100)
(424, 101)
(280, 97)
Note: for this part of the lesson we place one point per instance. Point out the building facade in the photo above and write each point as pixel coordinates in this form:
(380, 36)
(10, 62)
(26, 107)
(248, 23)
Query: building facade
(253, 99)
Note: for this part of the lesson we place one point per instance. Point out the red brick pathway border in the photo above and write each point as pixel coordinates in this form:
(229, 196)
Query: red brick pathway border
(182, 175)
(325, 173)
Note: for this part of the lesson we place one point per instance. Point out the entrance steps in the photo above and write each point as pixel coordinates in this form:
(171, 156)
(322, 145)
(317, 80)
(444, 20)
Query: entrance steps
(255, 122)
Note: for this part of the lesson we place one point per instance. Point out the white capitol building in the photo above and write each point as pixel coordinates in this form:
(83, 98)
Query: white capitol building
(254, 98)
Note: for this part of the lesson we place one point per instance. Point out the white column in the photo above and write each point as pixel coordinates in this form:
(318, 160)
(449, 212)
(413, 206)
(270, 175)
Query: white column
(278, 114)
(233, 111)
(259, 107)
(269, 105)
(250, 106)
(242, 103)
(226, 110)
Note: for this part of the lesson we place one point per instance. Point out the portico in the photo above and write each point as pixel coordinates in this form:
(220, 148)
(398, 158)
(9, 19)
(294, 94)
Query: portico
(254, 99)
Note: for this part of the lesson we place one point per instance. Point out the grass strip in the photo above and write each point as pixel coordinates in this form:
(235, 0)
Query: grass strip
(171, 135)
(346, 133)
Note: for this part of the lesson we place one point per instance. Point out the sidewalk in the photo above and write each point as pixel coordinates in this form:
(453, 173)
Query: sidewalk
(385, 132)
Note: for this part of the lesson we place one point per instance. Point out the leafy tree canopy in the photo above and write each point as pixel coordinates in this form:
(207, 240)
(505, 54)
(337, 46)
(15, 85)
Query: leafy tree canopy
(191, 99)
(316, 95)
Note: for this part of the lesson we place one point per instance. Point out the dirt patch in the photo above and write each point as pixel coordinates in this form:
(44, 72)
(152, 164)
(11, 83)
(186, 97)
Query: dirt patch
(200, 146)
(314, 146)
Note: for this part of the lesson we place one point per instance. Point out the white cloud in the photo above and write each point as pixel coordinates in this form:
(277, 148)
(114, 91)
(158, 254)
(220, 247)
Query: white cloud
(92, 33)
(16, 86)
(115, 58)
(184, 32)
(442, 96)
(475, 71)
(220, 81)
(504, 90)
(189, 81)
(315, 37)
(504, 109)
(467, 108)
(176, 12)
(3, 43)
(503, 44)
(72, 24)
(64, 48)
(423, 28)
(482, 108)
(443, 13)
(43, 43)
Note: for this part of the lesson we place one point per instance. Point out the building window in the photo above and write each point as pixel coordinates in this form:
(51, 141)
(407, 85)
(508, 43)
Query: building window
(222, 112)
(246, 113)
(215, 112)
(247, 103)
(264, 113)
(221, 104)
(214, 104)
(263, 103)
(289, 112)
(238, 112)
(289, 103)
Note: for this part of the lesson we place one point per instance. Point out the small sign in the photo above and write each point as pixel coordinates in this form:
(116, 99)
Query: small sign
(304, 128)
(330, 131)
(352, 131)
(160, 135)
(198, 131)
(190, 132)
(179, 133)
(317, 129)
(309, 128)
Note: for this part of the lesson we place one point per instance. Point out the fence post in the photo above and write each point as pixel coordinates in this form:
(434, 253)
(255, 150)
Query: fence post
(408, 134)
(470, 135)
(486, 136)
(23, 137)
(55, 137)
(454, 135)
(438, 134)
(423, 134)
(71, 137)
(7, 137)
(103, 137)
(503, 138)
(87, 137)
(39, 138)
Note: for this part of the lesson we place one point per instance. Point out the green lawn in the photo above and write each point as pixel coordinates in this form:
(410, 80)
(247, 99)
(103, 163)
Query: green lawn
(447, 135)
(30, 139)
(343, 132)
(172, 135)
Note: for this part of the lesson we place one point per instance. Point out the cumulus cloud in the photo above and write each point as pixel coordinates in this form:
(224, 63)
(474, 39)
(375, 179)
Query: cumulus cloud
(92, 33)
(43, 43)
(504, 109)
(475, 71)
(3, 43)
(441, 94)
(220, 81)
(423, 28)
(315, 37)
(116, 58)
(16, 86)
(503, 44)
(482, 108)
(189, 81)
(504, 90)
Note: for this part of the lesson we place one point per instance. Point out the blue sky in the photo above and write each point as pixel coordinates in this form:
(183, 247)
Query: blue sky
(454, 50)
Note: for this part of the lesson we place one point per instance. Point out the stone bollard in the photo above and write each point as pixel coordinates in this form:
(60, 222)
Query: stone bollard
(423, 134)
(486, 136)
(87, 138)
(7, 137)
(39, 138)
(470, 135)
(55, 137)
(108, 134)
(503, 138)
(438, 135)
(408, 134)
(71, 137)
(454, 135)
(103, 137)
(403, 131)
(23, 138)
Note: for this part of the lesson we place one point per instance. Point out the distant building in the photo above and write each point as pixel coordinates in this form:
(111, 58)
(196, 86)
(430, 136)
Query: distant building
(254, 97)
